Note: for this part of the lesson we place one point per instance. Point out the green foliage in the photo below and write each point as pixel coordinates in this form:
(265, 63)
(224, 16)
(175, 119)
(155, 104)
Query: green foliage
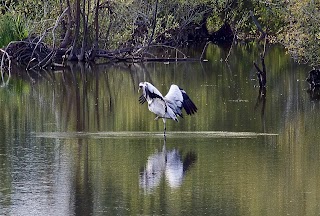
(293, 23)
(237, 13)
(130, 23)
(12, 28)
(301, 35)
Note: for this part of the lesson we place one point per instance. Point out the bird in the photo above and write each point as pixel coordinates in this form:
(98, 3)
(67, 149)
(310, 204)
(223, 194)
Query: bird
(169, 106)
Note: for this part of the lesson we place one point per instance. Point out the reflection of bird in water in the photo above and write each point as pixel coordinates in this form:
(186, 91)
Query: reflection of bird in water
(166, 163)
(168, 107)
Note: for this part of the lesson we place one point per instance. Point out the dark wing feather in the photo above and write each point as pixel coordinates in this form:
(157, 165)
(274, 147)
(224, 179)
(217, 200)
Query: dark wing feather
(153, 95)
(142, 99)
(187, 104)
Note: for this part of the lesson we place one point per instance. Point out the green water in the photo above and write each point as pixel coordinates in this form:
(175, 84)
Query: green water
(79, 143)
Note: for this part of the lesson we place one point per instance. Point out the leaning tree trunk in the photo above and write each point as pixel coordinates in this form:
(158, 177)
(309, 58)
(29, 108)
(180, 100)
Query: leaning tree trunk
(95, 45)
(68, 29)
(81, 56)
(73, 53)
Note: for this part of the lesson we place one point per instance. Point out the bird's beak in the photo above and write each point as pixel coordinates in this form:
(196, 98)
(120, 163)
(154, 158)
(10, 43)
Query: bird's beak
(139, 89)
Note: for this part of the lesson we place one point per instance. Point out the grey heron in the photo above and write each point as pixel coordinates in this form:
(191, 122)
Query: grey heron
(169, 106)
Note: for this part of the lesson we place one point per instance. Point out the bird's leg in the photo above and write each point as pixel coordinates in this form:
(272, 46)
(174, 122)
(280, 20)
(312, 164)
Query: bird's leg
(165, 128)
(157, 117)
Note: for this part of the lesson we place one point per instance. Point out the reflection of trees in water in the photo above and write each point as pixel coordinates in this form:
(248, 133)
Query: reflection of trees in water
(138, 74)
(101, 97)
(314, 93)
(261, 101)
(85, 97)
(83, 193)
(166, 163)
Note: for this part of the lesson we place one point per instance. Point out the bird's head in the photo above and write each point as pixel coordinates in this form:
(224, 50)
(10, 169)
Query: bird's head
(142, 85)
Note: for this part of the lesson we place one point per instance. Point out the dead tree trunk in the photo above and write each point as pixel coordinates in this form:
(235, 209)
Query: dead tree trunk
(68, 31)
(154, 23)
(73, 53)
(261, 74)
(81, 56)
(95, 46)
(256, 22)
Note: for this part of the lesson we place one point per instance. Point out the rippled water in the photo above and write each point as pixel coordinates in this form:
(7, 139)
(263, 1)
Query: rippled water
(77, 142)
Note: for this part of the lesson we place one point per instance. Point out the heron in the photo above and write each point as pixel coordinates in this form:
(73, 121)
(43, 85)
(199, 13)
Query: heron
(169, 106)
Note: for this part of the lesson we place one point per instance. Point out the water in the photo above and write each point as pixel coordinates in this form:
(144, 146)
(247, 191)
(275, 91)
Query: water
(79, 143)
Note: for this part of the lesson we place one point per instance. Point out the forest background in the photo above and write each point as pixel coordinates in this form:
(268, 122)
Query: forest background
(86, 30)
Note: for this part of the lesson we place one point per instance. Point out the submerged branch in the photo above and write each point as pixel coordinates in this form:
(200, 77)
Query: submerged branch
(262, 73)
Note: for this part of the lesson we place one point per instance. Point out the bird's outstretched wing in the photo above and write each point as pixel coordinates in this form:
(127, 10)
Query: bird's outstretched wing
(187, 104)
(177, 99)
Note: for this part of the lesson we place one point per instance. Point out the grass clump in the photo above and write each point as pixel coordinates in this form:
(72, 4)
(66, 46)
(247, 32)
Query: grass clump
(12, 28)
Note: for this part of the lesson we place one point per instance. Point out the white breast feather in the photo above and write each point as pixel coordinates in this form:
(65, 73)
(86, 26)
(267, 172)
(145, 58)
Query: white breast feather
(157, 106)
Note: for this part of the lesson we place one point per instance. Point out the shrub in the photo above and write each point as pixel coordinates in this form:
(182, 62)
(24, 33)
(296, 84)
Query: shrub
(301, 35)
(12, 28)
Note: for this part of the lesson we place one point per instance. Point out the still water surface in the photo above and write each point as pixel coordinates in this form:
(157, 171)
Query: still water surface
(79, 143)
